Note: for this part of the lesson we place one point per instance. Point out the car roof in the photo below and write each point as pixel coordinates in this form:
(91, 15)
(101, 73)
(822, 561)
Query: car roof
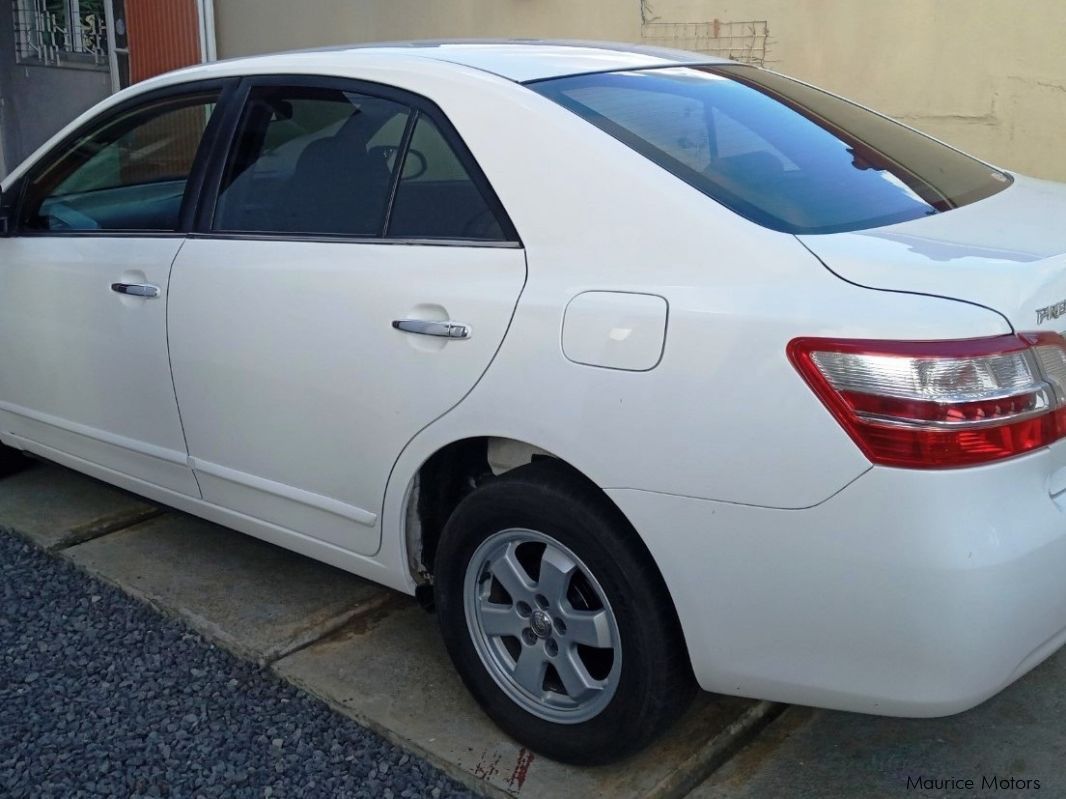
(524, 60)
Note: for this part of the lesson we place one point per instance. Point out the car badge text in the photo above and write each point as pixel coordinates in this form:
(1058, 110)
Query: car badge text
(1051, 311)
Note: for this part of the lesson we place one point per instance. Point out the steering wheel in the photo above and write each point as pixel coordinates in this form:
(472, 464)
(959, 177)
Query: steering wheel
(414, 166)
(420, 170)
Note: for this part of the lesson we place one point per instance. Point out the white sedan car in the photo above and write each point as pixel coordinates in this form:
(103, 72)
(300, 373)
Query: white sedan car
(653, 370)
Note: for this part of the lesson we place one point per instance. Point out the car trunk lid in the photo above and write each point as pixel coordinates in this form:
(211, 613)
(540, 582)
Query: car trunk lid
(1006, 252)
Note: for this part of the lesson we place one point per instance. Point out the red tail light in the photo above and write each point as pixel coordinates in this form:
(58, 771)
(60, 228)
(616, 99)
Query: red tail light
(937, 404)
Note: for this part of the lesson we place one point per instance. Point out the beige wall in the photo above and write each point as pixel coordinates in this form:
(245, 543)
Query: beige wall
(256, 26)
(986, 75)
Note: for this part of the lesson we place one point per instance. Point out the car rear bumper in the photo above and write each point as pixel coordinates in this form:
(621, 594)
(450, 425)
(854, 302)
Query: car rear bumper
(907, 593)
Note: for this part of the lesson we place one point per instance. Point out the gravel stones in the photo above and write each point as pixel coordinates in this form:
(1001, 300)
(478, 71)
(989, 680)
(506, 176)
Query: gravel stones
(101, 696)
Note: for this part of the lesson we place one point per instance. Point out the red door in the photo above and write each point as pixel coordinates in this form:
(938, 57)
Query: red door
(161, 35)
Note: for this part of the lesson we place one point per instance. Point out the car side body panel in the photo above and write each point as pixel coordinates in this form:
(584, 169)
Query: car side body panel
(605, 219)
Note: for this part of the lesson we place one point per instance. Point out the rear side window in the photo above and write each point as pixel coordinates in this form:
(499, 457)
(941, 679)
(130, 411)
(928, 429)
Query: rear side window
(778, 152)
(311, 160)
(436, 197)
(128, 174)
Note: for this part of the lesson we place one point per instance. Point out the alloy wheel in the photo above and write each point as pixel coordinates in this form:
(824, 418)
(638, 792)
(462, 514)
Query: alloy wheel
(542, 626)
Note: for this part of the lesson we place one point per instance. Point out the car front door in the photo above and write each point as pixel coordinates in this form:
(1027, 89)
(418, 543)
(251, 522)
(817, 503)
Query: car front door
(84, 290)
(351, 284)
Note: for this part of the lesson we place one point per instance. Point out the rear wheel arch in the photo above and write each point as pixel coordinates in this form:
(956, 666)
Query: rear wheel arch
(455, 469)
(448, 475)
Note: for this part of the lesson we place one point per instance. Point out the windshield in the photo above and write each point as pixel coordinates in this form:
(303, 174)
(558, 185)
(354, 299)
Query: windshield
(776, 151)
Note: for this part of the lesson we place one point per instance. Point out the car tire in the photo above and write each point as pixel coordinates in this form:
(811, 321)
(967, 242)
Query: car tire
(581, 564)
(11, 461)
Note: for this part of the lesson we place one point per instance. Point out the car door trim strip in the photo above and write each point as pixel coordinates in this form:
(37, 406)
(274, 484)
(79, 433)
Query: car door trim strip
(308, 498)
(133, 445)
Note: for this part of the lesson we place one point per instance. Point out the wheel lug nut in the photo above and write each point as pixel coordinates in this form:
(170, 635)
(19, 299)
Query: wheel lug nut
(560, 626)
(551, 647)
(541, 600)
(523, 609)
(529, 636)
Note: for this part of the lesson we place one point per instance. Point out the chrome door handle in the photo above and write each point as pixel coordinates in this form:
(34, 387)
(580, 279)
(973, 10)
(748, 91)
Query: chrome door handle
(441, 329)
(146, 290)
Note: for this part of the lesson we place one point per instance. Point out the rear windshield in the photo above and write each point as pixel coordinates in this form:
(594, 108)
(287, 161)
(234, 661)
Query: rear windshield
(783, 154)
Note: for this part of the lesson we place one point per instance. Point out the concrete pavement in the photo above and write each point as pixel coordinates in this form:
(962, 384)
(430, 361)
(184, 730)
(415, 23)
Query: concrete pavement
(394, 675)
(258, 600)
(56, 507)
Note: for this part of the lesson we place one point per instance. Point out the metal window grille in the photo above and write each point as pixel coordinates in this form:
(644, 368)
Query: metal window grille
(61, 32)
(746, 41)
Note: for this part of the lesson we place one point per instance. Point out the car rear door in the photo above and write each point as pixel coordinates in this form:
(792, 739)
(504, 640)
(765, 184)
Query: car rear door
(84, 289)
(351, 283)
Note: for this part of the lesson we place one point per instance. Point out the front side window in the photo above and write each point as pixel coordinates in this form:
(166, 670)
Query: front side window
(127, 175)
(312, 161)
(776, 151)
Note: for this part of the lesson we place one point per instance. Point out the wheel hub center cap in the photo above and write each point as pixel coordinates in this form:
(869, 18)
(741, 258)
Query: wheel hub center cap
(540, 623)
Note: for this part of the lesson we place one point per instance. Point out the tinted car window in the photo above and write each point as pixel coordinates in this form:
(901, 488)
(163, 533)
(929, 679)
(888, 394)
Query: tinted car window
(129, 174)
(436, 197)
(311, 161)
(776, 151)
